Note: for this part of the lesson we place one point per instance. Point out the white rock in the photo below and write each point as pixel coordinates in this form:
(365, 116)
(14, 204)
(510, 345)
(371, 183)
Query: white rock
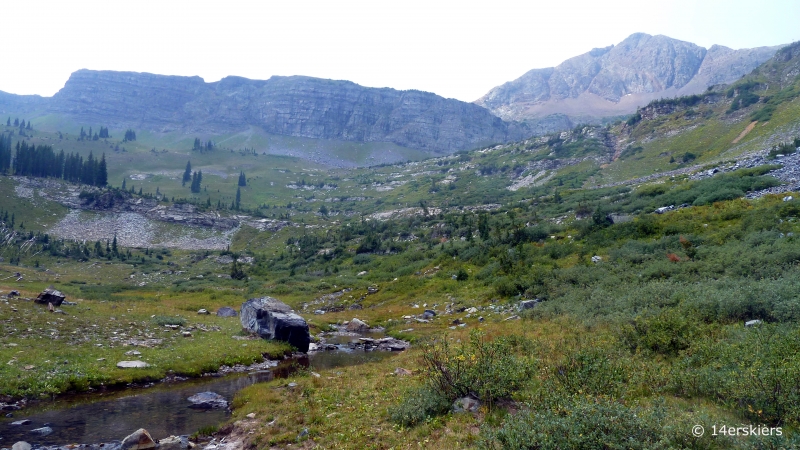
(132, 364)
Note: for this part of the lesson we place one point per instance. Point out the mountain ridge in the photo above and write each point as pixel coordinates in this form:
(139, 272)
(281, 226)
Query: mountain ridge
(617, 79)
(293, 106)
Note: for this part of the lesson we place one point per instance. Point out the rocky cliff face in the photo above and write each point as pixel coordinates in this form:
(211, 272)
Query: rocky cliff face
(617, 79)
(293, 106)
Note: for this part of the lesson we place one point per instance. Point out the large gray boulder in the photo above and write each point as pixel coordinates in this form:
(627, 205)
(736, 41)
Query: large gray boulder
(138, 440)
(226, 311)
(50, 295)
(270, 318)
(208, 400)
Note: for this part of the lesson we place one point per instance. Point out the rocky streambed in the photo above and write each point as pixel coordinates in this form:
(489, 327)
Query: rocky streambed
(164, 409)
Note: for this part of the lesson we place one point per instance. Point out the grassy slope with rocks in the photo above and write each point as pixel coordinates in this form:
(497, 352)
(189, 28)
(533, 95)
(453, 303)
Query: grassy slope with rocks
(630, 349)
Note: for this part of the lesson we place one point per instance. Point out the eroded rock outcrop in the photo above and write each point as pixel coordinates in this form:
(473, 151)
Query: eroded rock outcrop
(292, 106)
(272, 319)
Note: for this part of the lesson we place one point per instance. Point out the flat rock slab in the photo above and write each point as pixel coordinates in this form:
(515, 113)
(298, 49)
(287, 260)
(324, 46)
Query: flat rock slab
(208, 400)
(132, 364)
(43, 431)
(226, 311)
(21, 445)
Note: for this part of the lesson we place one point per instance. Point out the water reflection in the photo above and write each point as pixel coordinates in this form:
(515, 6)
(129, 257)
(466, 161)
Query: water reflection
(164, 409)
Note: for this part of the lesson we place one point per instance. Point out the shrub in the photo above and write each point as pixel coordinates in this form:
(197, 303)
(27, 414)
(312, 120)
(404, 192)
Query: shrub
(666, 333)
(591, 372)
(754, 370)
(419, 405)
(581, 422)
(488, 370)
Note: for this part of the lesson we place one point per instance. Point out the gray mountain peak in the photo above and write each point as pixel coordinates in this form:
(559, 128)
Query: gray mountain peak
(617, 79)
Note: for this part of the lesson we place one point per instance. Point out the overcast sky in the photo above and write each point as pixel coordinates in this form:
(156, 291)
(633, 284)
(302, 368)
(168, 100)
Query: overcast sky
(457, 49)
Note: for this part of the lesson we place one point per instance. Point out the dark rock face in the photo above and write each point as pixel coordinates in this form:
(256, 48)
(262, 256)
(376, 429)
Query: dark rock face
(293, 106)
(208, 400)
(50, 295)
(618, 79)
(272, 319)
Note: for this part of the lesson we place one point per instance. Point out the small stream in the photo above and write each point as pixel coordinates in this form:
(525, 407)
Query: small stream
(163, 409)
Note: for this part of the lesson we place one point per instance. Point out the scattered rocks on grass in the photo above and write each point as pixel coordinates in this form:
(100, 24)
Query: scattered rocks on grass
(202, 311)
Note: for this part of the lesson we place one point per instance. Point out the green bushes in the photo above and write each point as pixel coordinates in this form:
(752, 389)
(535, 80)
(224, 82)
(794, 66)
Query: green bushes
(487, 370)
(581, 422)
(591, 372)
(754, 370)
(666, 333)
(169, 320)
(418, 405)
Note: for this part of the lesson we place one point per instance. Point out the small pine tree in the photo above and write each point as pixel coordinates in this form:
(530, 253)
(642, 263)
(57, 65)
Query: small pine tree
(114, 248)
(238, 197)
(123, 184)
(237, 273)
(187, 174)
(101, 179)
(242, 179)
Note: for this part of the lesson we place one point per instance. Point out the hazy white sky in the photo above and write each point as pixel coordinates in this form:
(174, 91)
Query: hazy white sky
(458, 49)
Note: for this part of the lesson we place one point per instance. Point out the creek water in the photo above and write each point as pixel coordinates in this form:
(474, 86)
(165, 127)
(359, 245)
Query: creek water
(163, 409)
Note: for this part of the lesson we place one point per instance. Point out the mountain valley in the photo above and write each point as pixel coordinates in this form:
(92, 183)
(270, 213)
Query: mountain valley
(604, 285)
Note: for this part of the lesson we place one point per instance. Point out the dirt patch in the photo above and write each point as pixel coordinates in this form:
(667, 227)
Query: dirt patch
(744, 133)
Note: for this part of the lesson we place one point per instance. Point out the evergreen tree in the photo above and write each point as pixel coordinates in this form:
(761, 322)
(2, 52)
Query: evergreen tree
(187, 174)
(238, 197)
(101, 179)
(123, 184)
(8, 122)
(114, 248)
(237, 273)
(130, 135)
(242, 179)
(16, 122)
(29, 126)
